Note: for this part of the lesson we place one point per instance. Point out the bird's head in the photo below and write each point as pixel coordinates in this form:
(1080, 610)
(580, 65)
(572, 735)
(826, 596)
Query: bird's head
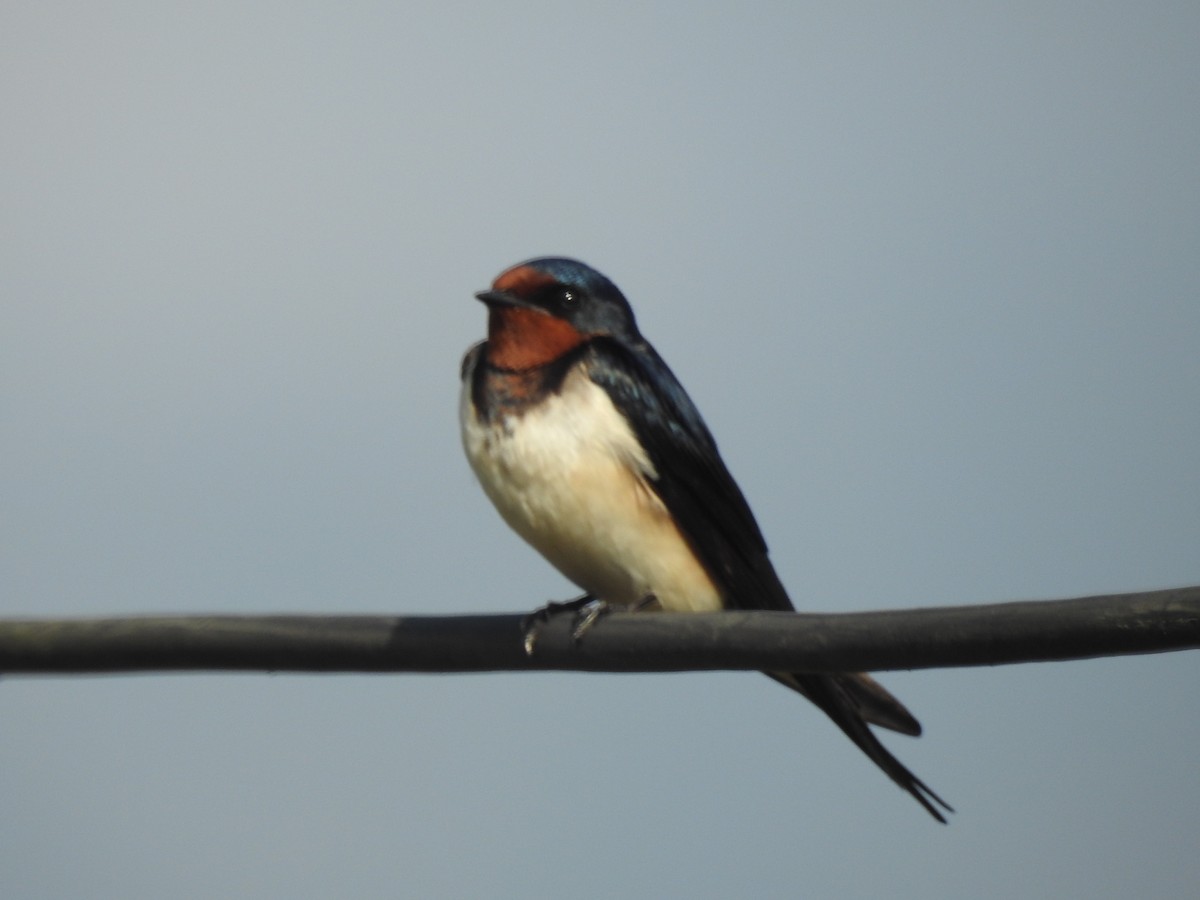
(543, 308)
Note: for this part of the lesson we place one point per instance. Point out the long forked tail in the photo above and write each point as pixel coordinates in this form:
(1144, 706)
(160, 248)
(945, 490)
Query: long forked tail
(853, 700)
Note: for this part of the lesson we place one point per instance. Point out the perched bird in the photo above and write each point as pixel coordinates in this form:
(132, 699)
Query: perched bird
(592, 451)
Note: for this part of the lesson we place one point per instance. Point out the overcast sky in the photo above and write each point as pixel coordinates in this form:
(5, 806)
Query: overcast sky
(931, 272)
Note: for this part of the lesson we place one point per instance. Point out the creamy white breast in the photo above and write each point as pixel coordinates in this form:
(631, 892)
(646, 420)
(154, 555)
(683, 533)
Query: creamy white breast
(570, 477)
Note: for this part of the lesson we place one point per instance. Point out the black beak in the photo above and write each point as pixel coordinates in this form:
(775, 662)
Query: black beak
(500, 298)
(492, 298)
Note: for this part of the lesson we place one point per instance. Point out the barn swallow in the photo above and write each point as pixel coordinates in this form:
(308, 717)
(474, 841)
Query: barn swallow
(592, 452)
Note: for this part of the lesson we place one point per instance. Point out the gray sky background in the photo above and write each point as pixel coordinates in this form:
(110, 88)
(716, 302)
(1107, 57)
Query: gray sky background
(931, 271)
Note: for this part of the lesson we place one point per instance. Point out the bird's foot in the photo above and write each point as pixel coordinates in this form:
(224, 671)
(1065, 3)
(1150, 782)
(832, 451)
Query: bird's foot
(588, 611)
(532, 623)
(587, 616)
(591, 610)
(645, 603)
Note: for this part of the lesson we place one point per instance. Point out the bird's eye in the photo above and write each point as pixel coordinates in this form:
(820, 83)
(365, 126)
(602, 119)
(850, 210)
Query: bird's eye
(568, 299)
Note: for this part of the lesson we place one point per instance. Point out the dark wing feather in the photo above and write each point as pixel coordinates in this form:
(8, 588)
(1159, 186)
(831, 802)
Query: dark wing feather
(716, 520)
(692, 479)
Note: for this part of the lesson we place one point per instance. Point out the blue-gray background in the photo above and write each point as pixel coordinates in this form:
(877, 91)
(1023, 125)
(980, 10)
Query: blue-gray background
(932, 273)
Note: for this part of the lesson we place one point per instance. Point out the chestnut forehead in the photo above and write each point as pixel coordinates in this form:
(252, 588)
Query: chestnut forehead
(523, 281)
